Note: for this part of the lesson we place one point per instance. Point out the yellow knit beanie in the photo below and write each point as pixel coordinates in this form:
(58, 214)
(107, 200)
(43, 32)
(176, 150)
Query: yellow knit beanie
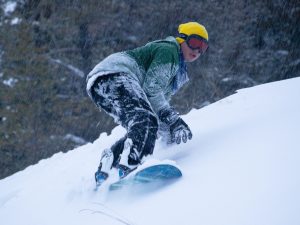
(191, 28)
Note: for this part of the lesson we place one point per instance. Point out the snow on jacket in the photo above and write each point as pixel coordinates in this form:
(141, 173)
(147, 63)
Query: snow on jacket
(158, 66)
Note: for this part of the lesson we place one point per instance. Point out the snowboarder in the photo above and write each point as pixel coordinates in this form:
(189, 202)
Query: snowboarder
(135, 86)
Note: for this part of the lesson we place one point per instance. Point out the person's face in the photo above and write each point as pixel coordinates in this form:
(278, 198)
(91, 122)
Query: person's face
(189, 54)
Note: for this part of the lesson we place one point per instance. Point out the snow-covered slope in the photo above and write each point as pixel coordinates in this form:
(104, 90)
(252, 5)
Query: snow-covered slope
(242, 167)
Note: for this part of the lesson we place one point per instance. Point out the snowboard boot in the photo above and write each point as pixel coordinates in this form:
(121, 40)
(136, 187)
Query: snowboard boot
(105, 166)
(100, 177)
(125, 170)
(124, 166)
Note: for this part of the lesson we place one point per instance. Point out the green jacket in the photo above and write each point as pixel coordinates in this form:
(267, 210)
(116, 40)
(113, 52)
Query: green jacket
(158, 67)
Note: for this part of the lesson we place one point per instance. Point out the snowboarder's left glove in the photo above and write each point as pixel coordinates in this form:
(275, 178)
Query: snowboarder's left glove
(179, 130)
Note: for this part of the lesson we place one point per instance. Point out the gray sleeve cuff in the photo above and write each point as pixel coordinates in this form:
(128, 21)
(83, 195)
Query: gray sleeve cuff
(158, 102)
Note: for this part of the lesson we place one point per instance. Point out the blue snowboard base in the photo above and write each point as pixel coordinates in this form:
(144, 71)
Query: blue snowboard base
(161, 173)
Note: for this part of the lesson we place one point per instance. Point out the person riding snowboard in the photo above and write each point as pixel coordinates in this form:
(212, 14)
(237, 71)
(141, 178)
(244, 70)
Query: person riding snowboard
(135, 86)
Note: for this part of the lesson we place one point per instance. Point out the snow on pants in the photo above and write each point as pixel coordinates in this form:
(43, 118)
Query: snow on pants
(123, 98)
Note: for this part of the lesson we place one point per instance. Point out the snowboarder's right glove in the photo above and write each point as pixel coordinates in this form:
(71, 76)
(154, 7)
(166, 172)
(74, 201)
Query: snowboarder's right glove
(179, 130)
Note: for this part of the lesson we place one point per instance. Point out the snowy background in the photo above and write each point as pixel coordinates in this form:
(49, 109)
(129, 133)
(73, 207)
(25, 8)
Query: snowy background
(241, 168)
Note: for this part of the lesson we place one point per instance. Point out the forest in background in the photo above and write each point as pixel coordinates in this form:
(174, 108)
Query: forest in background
(48, 47)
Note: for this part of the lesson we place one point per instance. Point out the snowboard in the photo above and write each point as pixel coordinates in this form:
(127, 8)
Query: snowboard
(158, 174)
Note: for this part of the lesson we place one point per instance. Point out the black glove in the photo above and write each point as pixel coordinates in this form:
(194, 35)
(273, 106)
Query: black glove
(179, 130)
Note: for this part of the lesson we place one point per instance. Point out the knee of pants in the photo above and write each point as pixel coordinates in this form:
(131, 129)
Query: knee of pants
(154, 123)
(142, 120)
(149, 122)
(143, 128)
(150, 139)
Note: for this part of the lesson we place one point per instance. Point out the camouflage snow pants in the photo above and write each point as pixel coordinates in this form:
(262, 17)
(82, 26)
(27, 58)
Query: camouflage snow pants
(123, 98)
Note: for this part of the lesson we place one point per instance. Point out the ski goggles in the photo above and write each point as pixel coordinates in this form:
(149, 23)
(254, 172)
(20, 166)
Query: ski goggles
(195, 42)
